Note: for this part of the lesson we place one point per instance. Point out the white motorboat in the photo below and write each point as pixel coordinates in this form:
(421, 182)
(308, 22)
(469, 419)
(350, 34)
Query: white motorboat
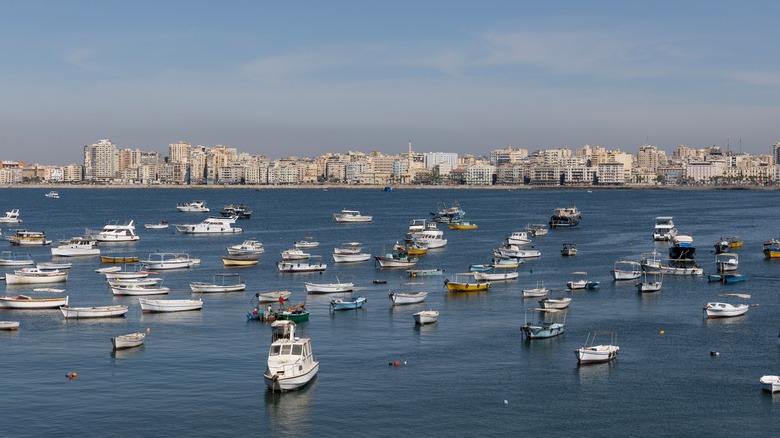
(555, 303)
(247, 247)
(770, 383)
(10, 258)
(309, 242)
(26, 302)
(549, 324)
(295, 254)
(727, 262)
(272, 297)
(76, 247)
(351, 258)
(291, 362)
(626, 270)
(582, 283)
(128, 341)
(351, 217)
(9, 325)
(431, 237)
(569, 249)
(168, 260)
(28, 238)
(52, 195)
(148, 305)
(426, 317)
(211, 225)
(11, 217)
(726, 310)
(220, 283)
(162, 225)
(518, 238)
(121, 290)
(300, 266)
(396, 259)
(596, 353)
(664, 229)
(329, 287)
(653, 281)
(515, 251)
(536, 230)
(113, 231)
(407, 298)
(36, 276)
(192, 207)
(538, 291)
(93, 312)
(349, 248)
(496, 275)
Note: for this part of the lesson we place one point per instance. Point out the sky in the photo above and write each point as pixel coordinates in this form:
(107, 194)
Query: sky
(304, 78)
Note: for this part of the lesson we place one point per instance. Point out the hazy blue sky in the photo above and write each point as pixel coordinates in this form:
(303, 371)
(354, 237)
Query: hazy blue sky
(306, 77)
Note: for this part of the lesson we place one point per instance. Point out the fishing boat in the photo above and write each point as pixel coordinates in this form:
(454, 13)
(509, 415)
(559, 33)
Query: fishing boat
(446, 214)
(582, 283)
(426, 317)
(240, 211)
(133, 290)
(536, 292)
(28, 238)
(295, 254)
(93, 312)
(771, 249)
(114, 231)
(76, 247)
(770, 383)
(549, 324)
(597, 353)
(211, 225)
(291, 362)
(462, 225)
(536, 230)
(664, 229)
(348, 303)
(351, 217)
(301, 266)
(721, 247)
(727, 262)
(457, 285)
(518, 238)
(407, 298)
(131, 270)
(517, 252)
(249, 246)
(351, 258)
(296, 313)
(555, 303)
(425, 272)
(130, 340)
(272, 297)
(220, 283)
(10, 217)
(118, 259)
(309, 242)
(396, 259)
(192, 207)
(430, 238)
(681, 260)
(726, 310)
(148, 305)
(27, 302)
(10, 258)
(9, 325)
(240, 260)
(36, 276)
(569, 249)
(168, 260)
(162, 225)
(565, 217)
(651, 261)
(735, 242)
(329, 287)
(652, 282)
(411, 248)
(346, 248)
(496, 275)
(626, 270)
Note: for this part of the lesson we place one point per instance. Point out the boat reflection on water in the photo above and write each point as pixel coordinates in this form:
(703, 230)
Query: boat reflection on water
(163, 317)
(596, 374)
(126, 353)
(286, 410)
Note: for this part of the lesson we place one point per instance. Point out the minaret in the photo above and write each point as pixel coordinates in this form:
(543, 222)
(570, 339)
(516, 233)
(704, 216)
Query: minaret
(409, 162)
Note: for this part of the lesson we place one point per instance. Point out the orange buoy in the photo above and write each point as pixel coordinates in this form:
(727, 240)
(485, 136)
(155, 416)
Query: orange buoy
(663, 332)
(148, 330)
(395, 363)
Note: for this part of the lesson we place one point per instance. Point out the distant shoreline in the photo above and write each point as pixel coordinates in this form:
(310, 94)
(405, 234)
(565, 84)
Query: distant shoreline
(372, 187)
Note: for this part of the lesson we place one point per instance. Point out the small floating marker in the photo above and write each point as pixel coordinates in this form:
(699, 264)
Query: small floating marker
(404, 363)
(714, 353)
(662, 332)
(395, 363)
(506, 402)
(390, 364)
(71, 376)
(148, 330)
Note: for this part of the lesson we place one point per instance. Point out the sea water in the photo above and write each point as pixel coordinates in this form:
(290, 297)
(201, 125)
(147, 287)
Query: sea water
(471, 373)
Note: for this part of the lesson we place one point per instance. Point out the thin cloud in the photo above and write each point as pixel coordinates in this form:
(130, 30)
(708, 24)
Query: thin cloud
(758, 78)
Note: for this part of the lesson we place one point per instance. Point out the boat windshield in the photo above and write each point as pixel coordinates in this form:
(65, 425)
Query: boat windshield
(275, 350)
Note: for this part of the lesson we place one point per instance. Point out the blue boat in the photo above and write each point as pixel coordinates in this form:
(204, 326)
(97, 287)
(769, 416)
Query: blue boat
(550, 324)
(348, 304)
(733, 278)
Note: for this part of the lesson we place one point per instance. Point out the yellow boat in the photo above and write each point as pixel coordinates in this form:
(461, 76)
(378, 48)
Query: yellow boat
(734, 242)
(462, 225)
(465, 286)
(412, 249)
(772, 249)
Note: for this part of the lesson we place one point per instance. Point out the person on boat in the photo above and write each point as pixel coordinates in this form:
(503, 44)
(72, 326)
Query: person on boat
(269, 310)
(281, 304)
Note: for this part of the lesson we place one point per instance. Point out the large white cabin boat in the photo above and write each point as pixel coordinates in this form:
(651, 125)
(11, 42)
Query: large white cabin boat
(351, 216)
(115, 232)
(211, 225)
(76, 246)
(664, 229)
(11, 217)
(193, 207)
(291, 363)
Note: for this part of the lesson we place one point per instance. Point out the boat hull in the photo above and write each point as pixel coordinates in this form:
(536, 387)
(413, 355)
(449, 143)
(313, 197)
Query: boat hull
(351, 258)
(128, 341)
(325, 288)
(454, 286)
(426, 317)
(407, 298)
(596, 354)
(94, 312)
(42, 278)
(170, 305)
(300, 267)
(534, 331)
(770, 383)
(272, 297)
(291, 383)
(22, 302)
(350, 304)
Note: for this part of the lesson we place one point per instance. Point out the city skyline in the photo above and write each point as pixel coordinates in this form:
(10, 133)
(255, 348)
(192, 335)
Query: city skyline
(306, 78)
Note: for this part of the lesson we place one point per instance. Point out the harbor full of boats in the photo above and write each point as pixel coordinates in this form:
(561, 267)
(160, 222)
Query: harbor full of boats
(413, 318)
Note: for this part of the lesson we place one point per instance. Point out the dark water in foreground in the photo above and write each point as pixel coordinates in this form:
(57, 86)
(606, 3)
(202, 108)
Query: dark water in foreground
(200, 373)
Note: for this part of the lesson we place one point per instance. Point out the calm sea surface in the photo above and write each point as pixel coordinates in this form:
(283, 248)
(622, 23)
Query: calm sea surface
(200, 373)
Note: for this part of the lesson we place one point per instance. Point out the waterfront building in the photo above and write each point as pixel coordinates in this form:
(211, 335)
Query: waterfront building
(100, 161)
